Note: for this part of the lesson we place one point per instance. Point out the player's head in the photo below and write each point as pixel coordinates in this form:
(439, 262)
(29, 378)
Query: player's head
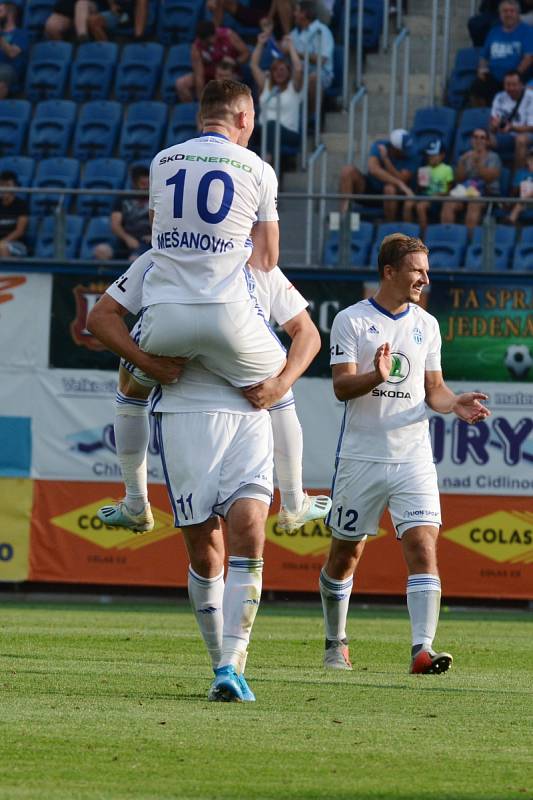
(403, 266)
(228, 105)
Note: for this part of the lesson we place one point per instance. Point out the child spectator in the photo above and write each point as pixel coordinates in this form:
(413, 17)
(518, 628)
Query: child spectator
(13, 219)
(434, 179)
(522, 187)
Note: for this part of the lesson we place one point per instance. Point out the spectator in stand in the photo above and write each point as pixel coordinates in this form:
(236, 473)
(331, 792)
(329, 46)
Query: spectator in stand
(508, 46)
(71, 16)
(312, 34)
(391, 167)
(13, 219)
(511, 120)
(13, 50)
(434, 179)
(284, 79)
(120, 15)
(130, 222)
(477, 173)
(210, 47)
(252, 15)
(522, 187)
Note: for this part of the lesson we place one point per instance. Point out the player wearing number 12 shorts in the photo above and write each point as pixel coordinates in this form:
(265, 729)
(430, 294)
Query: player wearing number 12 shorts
(213, 204)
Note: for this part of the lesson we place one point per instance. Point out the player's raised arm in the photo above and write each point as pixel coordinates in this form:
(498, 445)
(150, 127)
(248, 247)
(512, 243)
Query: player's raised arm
(265, 238)
(441, 398)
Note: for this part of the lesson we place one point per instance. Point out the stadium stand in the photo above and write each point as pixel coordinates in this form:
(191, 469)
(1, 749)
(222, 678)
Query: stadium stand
(92, 71)
(447, 245)
(471, 119)
(48, 69)
(183, 123)
(54, 173)
(462, 76)
(22, 166)
(360, 243)
(97, 129)
(36, 13)
(138, 71)
(14, 119)
(142, 130)
(434, 123)
(178, 62)
(101, 173)
(51, 128)
(45, 241)
(177, 21)
(98, 231)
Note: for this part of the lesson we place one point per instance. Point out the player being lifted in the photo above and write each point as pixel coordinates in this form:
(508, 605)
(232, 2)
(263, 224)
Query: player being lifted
(275, 295)
(385, 353)
(208, 476)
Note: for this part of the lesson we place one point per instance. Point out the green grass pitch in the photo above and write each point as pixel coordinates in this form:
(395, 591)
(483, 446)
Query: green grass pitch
(109, 703)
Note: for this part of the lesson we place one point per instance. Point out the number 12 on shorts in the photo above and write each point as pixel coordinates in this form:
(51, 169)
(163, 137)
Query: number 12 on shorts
(346, 519)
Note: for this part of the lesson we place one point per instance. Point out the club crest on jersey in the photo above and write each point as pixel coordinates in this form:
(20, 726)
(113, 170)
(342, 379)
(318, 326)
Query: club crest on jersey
(417, 335)
(400, 369)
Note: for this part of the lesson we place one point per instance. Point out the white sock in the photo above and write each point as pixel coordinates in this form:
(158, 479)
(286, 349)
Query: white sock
(132, 434)
(288, 452)
(206, 595)
(335, 601)
(423, 603)
(242, 594)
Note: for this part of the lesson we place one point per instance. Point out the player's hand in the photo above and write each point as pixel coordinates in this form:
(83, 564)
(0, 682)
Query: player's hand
(267, 393)
(383, 361)
(469, 408)
(163, 369)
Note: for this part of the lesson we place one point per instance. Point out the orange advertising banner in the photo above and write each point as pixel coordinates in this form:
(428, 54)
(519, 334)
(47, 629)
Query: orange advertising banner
(485, 551)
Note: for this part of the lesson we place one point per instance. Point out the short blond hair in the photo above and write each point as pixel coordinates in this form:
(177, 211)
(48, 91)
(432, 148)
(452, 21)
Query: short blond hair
(395, 247)
(219, 98)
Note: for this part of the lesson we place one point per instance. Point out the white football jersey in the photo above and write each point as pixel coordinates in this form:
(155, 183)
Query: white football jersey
(389, 423)
(206, 194)
(198, 389)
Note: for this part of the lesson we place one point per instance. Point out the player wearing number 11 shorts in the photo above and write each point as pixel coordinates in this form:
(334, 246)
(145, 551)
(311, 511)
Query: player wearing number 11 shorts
(213, 204)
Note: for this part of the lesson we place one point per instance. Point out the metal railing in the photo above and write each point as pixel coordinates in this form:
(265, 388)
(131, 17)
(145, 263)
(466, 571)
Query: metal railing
(305, 98)
(346, 55)
(274, 96)
(319, 156)
(401, 40)
(359, 98)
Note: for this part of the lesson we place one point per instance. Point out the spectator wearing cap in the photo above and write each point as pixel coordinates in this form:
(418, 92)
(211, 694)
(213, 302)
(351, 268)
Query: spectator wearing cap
(508, 46)
(434, 179)
(14, 45)
(211, 46)
(522, 187)
(284, 78)
(477, 173)
(391, 167)
(511, 119)
(13, 218)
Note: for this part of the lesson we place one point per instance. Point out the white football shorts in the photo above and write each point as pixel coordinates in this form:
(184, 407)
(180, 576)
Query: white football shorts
(363, 489)
(232, 340)
(140, 377)
(210, 460)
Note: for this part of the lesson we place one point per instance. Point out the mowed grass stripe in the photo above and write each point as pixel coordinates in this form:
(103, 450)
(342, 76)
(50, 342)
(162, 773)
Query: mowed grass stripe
(110, 702)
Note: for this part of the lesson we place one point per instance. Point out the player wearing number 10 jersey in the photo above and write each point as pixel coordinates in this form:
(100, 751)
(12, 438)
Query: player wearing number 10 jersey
(213, 203)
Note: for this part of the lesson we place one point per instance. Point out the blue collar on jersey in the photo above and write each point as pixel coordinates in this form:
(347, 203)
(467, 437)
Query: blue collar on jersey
(213, 133)
(387, 313)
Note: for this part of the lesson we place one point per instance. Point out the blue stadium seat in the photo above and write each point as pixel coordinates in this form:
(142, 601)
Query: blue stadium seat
(101, 173)
(98, 231)
(138, 71)
(44, 245)
(93, 70)
(503, 234)
(36, 12)
(434, 123)
(178, 20)
(46, 76)
(471, 119)
(360, 242)
(51, 128)
(30, 234)
(54, 172)
(386, 228)
(142, 130)
(502, 256)
(440, 233)
(447, 255)
(22, 166)
(97, 129)
(178, 63)
(14, 119)
(127, 31)
(182, 124)
(462, 76)
(372, 23)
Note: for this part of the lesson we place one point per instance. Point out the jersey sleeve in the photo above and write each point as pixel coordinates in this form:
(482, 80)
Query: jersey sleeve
(150, 190)
(268, 196)
(286, 301)
(343, 341)
(127, 290)
(433, 363)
